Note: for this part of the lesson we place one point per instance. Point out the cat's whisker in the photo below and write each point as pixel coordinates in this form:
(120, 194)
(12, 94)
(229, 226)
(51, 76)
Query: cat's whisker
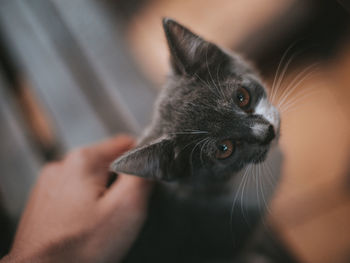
(202, 103)
(188, 132)
(210, 141)
(293, 86)
(262, 173)
(259, 192)
(247, 177)
(282, 75)
(285, 53)
(211, 77)
(255, 184)
(278, 69)
(238, 193)
(300, 78)
(269, 175)
(299, 93)
(297, 98)
(294, 105)
(194, 148)
(239, 186)
(256, 178)
(207, 84)
(258, 189)
(218, 81)
(201, 149)
(192, 130)
(295, 102)
(189, 144)
(290, 110)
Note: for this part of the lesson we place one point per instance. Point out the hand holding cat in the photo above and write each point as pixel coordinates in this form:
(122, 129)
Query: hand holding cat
(72, 216)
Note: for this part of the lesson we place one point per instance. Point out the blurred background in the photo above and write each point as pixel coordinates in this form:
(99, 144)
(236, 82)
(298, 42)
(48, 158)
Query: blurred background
(74, 72)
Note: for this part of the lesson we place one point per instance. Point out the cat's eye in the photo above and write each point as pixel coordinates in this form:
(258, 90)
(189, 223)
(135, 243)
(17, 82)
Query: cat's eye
(224, 149)
(243, 98)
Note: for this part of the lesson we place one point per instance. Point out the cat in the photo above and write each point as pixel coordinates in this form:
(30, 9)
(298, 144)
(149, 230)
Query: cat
(212, 119)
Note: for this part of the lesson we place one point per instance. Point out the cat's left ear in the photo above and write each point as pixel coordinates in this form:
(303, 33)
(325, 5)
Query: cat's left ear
(190, 54)
(157, 160)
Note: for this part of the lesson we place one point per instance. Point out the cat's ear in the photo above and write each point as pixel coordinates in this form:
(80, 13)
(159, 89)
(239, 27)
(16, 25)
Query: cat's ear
(190, 54)
(153, 161)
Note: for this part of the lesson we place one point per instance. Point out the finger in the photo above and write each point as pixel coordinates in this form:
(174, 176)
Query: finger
(92, 162)
(110, 149)
(128, 190)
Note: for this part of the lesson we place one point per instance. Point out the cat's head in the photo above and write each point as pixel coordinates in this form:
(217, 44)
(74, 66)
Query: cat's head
(213, 116)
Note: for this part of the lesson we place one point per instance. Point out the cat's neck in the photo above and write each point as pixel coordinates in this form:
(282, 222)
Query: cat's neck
(197, 189)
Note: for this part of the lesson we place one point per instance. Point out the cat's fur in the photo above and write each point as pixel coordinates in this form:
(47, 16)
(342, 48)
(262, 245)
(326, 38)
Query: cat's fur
(189, 217)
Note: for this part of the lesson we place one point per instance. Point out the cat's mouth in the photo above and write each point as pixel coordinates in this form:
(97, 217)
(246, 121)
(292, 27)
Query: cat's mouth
(260, 156)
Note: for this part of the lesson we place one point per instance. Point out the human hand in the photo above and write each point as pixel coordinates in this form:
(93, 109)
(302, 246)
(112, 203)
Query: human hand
(71, 215)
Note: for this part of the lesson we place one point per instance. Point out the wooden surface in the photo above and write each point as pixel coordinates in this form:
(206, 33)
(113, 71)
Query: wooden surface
(79, 68)
(19, 162)
(74, 120)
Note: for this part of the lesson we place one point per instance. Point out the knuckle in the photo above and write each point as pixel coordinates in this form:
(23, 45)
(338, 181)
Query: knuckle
(133, 204)
(80, 155)
(49, 168)
(48, 172)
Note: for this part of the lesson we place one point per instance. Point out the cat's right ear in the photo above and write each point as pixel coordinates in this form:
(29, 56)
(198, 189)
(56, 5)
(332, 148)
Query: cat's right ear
(188, 51)
(151, 161)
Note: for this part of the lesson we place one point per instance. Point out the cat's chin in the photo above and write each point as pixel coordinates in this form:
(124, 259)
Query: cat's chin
(261, 156)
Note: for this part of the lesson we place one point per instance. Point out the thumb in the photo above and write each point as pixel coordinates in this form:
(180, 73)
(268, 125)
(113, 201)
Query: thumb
(128, 190)
(111, 148)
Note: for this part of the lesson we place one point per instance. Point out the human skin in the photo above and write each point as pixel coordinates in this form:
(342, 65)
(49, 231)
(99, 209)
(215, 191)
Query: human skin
(71, 215)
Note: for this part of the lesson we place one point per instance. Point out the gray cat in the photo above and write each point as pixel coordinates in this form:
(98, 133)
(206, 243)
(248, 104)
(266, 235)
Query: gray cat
(212, 119)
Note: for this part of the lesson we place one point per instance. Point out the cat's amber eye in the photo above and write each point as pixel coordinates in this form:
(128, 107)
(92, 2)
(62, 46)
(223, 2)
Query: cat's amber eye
(224, 149)
(243, 97)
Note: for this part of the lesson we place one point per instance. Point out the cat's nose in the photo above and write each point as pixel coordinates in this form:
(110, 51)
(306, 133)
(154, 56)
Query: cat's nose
(270, 135)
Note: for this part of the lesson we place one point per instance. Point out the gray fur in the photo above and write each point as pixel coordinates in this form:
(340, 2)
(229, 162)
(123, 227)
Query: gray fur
(196, 110)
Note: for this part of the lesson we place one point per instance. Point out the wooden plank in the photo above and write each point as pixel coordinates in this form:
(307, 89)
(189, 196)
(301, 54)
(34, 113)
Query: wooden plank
(19, 162)
(76, 122)
(102, 43)
(82, 71)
